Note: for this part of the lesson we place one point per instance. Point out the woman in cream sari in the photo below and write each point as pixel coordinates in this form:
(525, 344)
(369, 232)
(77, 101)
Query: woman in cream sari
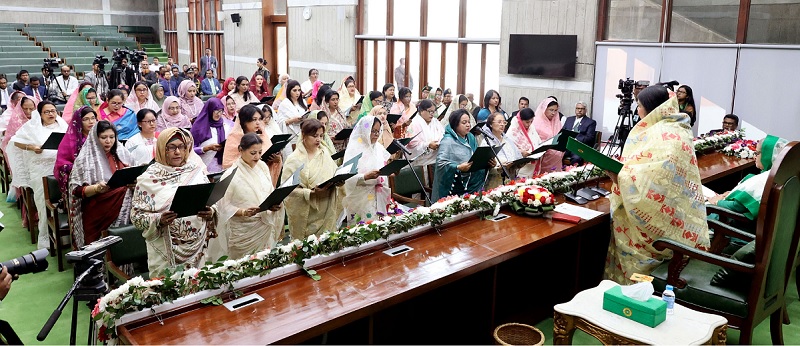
(325, 120)
(494, 136)
(251, 121)
(656, 194)
(386, 137)
(367, 193)
(427, 132)
(526, 139)
(171, 241)
(244, 229)
(312, 209)
(459, 102)
(348, 96)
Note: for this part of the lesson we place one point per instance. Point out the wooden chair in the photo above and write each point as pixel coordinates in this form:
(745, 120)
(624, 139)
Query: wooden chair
(132, 250)
(404, 185)
(776, 246)
(57, 223)
(29, 212)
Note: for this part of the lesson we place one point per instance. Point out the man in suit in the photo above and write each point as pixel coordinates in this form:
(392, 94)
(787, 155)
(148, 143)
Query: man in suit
(584, 126)
(208, 62)
(36, 90)
(522, 104)
(5, 93)
(210, 85)
(22, 80)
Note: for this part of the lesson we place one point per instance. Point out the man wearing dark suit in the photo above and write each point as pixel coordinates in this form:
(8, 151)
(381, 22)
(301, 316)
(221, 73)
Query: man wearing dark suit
(210, 85)
(584, 126)
(36, 90)
(5, 93)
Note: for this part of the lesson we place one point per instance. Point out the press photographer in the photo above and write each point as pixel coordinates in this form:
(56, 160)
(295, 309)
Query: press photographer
(98, 76)
(33, 262)
(126, 66)
(48, 77)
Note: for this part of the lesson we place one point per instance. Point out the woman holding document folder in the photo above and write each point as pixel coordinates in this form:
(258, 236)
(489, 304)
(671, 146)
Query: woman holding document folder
(30, 162)
(210, 129)
(367, 193)
(250, 121)
(170, 240)
(312, 209)
(526, 139)
(494, 136)
(243, 228)
(547, 124)
(452, 175)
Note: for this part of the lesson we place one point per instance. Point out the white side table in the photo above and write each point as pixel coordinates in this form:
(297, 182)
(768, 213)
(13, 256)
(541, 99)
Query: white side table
(585, 312)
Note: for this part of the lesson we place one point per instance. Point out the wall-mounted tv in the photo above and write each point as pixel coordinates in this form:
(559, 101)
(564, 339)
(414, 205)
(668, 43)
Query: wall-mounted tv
(543, 55)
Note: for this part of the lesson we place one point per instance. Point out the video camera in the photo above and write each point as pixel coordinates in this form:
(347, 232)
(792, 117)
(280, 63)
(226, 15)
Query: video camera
(92, 250)
(626, 97)
(33, 262)
(50, 64)
(100, 61)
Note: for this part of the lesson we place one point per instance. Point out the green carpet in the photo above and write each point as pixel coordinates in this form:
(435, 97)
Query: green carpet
(34, 297)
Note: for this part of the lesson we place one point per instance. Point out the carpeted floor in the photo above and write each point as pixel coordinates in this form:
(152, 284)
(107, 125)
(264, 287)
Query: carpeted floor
(34, 297)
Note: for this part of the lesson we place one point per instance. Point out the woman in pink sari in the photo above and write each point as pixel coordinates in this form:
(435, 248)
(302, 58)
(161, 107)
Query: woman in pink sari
(547, 125)
(70, 108)
(20, 115)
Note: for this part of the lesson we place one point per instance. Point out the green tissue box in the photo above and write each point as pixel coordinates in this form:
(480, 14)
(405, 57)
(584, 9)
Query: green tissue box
(650, 313)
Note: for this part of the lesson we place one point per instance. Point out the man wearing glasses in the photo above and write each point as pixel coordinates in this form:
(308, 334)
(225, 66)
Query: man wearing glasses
(730, 122)
(584, 126)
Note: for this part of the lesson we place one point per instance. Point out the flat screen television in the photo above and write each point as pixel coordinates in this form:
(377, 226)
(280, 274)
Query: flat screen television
(543, 55)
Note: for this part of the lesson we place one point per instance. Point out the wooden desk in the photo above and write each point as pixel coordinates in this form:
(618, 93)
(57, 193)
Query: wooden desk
(298, 308)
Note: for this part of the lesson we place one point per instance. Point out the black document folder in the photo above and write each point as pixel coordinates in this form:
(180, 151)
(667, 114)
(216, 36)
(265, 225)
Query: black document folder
(393, 167)
(125, 176)
(343, 134)
(278, 195)
(481, 157)
(53, 141)
(191, 199)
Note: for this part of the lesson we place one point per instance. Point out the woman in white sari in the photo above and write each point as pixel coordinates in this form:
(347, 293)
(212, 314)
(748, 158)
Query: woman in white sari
(459, 102)
(428, 132)
(244, 228)
(367, 194)
(171, 241)
(290, 113)
(493, 135)
(30, 162)
(310, 208)
(524, 135)
(142, 145)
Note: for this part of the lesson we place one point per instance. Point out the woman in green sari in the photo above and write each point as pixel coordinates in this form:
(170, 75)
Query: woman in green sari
(375, 99)
(452, 176)
(87, 97)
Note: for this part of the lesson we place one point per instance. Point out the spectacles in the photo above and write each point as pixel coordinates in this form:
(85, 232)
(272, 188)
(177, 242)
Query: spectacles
(88, 119)
(50, 111)
(175, 148)
(580, 108)
(149, 122)
(375, 132)
(115, 103)
(141, 90)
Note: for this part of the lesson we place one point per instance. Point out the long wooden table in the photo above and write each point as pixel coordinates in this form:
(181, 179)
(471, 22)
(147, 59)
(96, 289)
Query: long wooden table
(296, 308)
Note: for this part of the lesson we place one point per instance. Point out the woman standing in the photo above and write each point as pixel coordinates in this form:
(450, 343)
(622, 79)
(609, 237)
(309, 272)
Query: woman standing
(685, 97)
(366, 194)
(280, 89)
(30, 162)
(388, 96)
(88, 97)
(327, 143)
(428, 132)
(659, 174)
(20, 114)
(209, 132)
(242, 94)
(547, 125)
(337, 120)
(386, 137)
(313, 75)
(142, 145)
(82, 122)
(461, 103)
(312, 209)
(452, 176)
(74, 101)
(191, 105)
(93, 206)
(171, 115)
(495, 125)
(258, 86)
(374, 99)
(122, 117)
(230, 109)
(405, 110)
(171, 240)
(291, 110)
(244, 229)
(142, 98)
(348, 96)
(491, 105)
(250, 121)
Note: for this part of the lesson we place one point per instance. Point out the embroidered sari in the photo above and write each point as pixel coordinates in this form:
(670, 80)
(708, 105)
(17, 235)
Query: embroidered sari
(68, 150)
(365, 198)
(525, 140)
(508, 153)
(547, 128)
(231, 154)
(425, 132)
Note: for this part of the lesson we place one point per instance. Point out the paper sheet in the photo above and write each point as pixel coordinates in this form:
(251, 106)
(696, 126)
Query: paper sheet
(708, 193)
(574, 210)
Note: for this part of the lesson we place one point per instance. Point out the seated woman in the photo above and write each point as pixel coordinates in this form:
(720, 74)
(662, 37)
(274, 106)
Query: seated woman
(523, 134)
(116, 113)
(428, 132)
(142, 145)
(327, 143)
(230, 109)
(5, 118)
(191, 105)
(244, 229)
(171, 115)
(491, 105)
(405, 109)
(547, 125)
(20, 114)
(656, 193)
(93, 206)
(171, 241)
(462, 103)
(366, 194)
(745, 198)
(82, 123)
(312, 209)
(494, 136)
(30, 162)
(157, 90)
(452, 176)
(210, 129)
(141, 98)
(250, 121)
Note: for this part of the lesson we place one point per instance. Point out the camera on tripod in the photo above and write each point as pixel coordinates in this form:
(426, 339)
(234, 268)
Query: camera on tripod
(119, 54)
(33, 262)
(626, 97)
(50, 64)
(100, 61)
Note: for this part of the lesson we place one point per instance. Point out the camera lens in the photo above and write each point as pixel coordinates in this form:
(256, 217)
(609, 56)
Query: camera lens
(33, 262)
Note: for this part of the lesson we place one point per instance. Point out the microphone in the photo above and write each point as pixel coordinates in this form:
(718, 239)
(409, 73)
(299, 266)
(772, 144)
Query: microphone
(401, 146)
(486, 135)
(669, 85)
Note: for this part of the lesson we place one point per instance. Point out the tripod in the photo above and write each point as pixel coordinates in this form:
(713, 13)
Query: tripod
(616, 142)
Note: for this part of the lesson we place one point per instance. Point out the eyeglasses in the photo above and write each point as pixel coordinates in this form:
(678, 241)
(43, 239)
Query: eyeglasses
(149, 122)
(50, 111)
(115, 103)
(175, 148)
(432, 110)
(375, 132)
(580, 108)
(141, 90)
(86, 120)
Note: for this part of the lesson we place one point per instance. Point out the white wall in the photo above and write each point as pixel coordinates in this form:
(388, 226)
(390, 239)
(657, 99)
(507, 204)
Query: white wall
(243, 44)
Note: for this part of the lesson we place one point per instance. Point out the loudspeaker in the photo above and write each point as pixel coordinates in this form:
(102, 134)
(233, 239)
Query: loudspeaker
(236, 18)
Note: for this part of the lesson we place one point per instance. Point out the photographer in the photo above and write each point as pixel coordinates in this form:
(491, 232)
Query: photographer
(97, 76)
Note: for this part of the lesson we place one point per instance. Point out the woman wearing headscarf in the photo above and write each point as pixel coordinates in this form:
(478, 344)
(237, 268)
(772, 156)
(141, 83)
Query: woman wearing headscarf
(522, 133)
(462, 102)
(227, 87)
(427, 132)
(21, 113)
(5, 118)
(209, 131)
(30, 162)
(386, 137)
(122, 117)
(230, 108)
(74, 101)
(327, 142)
(337, 120)
(87, 97)
(366, 194)
(157, 91)
(348, 96)
(280, 90)
(171, 241)
(547, 125)
(79, 127)
(656, 193)
(316, 93)
(171, 115)
(374, 99)
(437, 101)
(258, 86)
(251, 121)
(93, 206)
(405, 109)
(141, 99)
(494, 136)
(312, 209)
(142, 145)
(243, 228)
(452, 176)
(191, 105)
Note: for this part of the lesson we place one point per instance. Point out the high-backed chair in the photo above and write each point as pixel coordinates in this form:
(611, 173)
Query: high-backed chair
(761, 290)
(29, 213)
(57, 223)
(404, 185)
(5, 178)
(127, 258)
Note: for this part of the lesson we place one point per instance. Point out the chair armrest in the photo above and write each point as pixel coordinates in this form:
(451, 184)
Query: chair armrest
(678, 261)
(722, 212)
(721, 233)
(404, 199)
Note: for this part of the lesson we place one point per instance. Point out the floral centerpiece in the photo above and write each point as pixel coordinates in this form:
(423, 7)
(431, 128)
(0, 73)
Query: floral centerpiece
(711, 142)
(743, 149)
(533, 200)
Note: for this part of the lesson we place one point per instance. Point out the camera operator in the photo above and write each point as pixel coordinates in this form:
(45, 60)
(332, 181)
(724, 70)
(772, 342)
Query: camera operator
(97, 76)
(5, 283)
(66, 86)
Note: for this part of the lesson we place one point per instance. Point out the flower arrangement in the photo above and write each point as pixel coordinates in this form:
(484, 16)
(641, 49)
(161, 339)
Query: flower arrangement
(138, 294)
(533, 200)
(719, 140)
(743, 149)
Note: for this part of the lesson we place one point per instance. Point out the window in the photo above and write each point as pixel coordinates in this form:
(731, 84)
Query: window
(774, 21)
(633, 20)
(708, 21)
(170, 28)
(205, 32)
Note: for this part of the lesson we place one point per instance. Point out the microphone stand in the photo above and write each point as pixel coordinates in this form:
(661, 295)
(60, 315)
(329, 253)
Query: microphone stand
(57, 313)
(505, 172)
(406, 152)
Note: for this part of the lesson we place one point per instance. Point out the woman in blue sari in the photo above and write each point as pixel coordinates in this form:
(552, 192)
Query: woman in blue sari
(122, 117)
(452, 176)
